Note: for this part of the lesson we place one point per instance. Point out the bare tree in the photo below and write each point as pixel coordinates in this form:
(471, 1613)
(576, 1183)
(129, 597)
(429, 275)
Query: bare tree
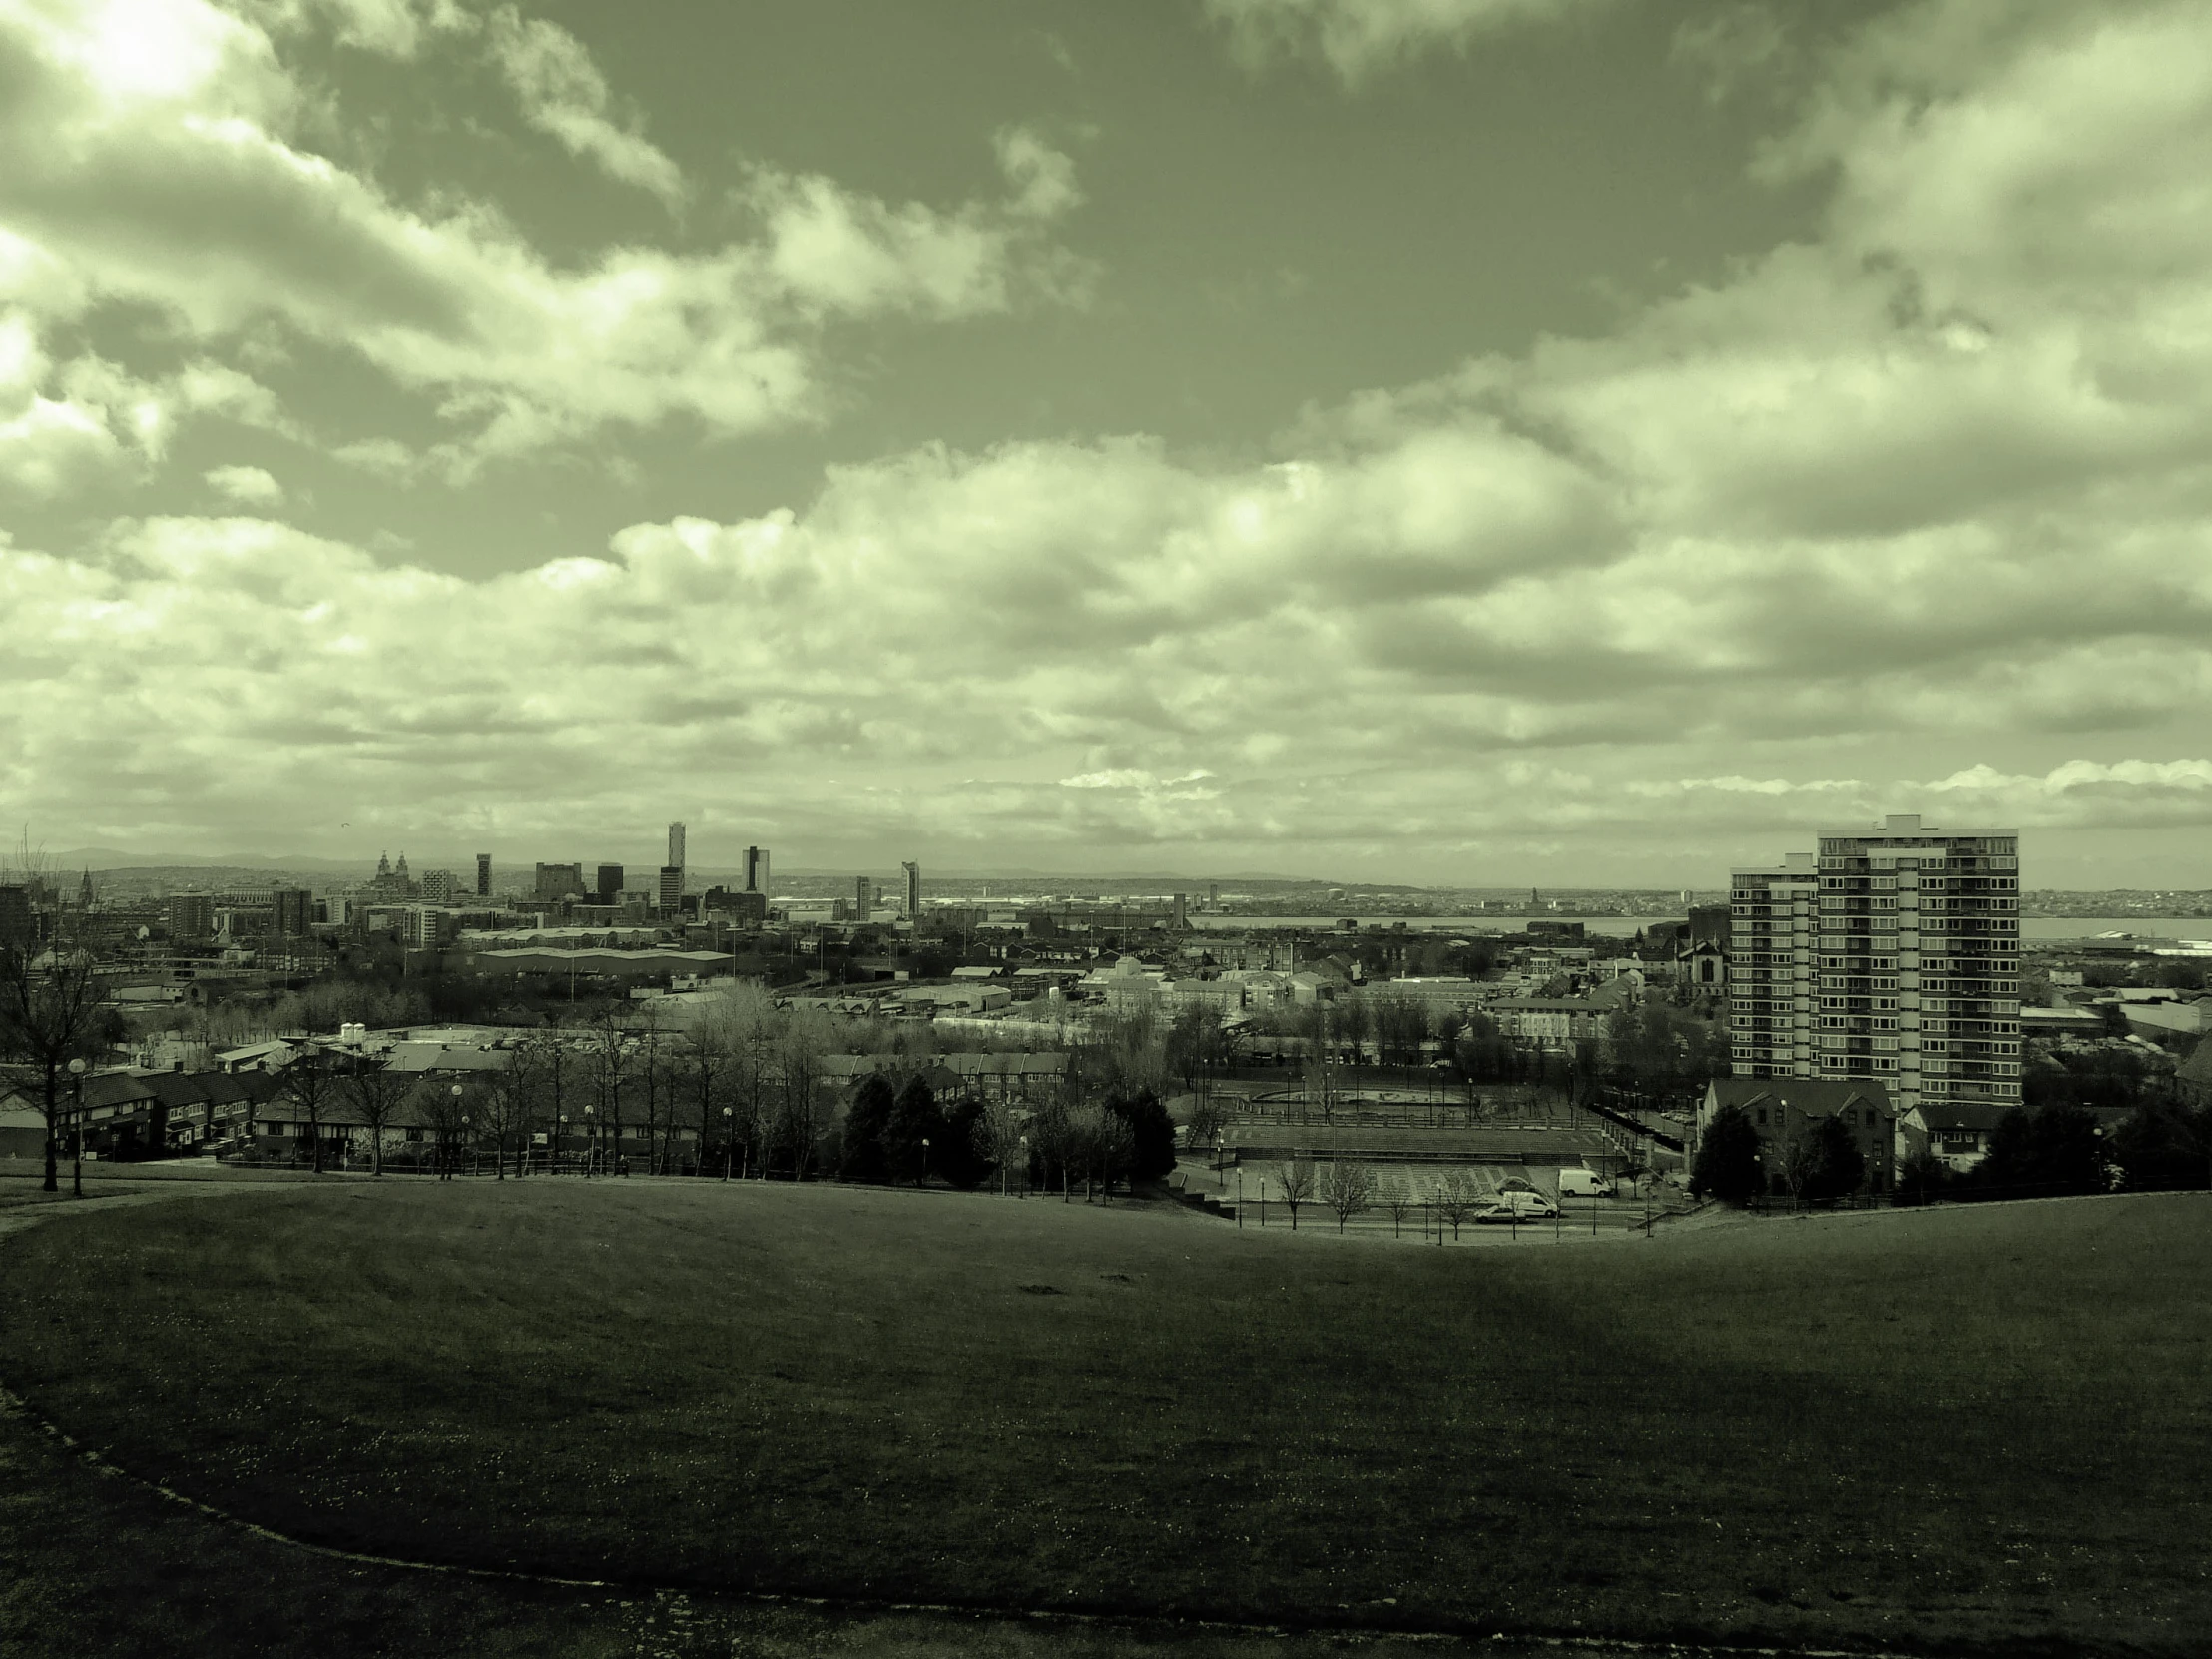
(1456, 1196)
(1348, 1189)
(1297, 1181)
(610, 1057)
(451, 1110)
(502, 1106)
(50, 1011)
(311, 1084)
(376, 1092)
(1395, 1194)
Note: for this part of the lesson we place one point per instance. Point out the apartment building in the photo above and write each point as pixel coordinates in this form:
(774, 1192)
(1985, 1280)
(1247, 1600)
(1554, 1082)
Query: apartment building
(1774, 917)
(1912, 978)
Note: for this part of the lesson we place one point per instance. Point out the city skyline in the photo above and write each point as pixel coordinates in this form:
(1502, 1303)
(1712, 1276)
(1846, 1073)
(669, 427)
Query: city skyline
(1471, 444)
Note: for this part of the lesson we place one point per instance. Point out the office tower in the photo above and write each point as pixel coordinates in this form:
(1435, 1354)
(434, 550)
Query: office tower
(913, 891)
(609, 884)
(864, 900)
(1213, 895)
(1181, 917)
(17, 929)
(1914, 978)
(483, 876)
(554, 882)
(671, 894)
(756, 870)
(441, 886)
(676, 846)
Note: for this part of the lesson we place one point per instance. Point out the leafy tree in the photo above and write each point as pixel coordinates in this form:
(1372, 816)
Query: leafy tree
(1922, 1177)
(957, 1153)
(1839, 1167)
(2054, 1149)
(1726, 1166)
(1151, 1135)
(1348, 1189)
(2165, 1146)
(914, 1118)
(863, 1157)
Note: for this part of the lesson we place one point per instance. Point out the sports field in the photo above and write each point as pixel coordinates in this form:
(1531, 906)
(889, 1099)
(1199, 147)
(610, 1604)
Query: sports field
(1974, 1428)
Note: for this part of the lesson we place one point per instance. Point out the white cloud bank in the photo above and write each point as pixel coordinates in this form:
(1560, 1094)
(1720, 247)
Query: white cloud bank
(1914, 516)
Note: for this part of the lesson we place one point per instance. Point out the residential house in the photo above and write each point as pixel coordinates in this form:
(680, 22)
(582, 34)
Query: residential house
(1783, 1109)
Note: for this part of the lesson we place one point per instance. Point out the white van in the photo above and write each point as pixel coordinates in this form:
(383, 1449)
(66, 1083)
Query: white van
(1583, 1183)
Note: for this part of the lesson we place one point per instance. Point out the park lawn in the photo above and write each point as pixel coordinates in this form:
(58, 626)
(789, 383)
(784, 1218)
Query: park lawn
(1963, 1428)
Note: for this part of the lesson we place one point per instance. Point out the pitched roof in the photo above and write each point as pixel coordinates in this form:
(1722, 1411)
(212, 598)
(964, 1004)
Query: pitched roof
(1961, 1114)
(1807, 1094)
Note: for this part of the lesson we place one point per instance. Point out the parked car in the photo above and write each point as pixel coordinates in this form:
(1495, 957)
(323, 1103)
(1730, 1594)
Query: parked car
(1517, 1207)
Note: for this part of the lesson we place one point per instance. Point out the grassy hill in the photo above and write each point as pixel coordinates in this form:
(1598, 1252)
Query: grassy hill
(1980, 1428)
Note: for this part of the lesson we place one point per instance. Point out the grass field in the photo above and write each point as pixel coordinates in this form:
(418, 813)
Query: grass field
(1982, 1428)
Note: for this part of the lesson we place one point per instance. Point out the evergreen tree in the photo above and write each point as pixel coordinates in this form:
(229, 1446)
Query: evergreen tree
(914, 1118)
(864, 1128)
(1151, 1133)
(1839, 1167)
(1726, 1158)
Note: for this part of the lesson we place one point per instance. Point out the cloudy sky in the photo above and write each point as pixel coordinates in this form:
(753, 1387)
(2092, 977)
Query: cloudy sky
(1475, 441)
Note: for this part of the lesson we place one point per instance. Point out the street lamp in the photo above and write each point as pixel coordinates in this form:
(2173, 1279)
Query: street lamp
(560, 1133)
(445, 1148)
(1220, 1143)
(1025, 1166)
(925, 1160)
(590, 1141)
(729, 1135)
(77, 1127)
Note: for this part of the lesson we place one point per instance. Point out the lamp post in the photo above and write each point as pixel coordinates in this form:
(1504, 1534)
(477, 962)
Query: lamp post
(445, 1140)
(560, 1133)
(590, 1141)
(728, 1138)
(77, 1127)
(925, 1160)
(1220, 1154)
(1025, 1166)
(457, 1151)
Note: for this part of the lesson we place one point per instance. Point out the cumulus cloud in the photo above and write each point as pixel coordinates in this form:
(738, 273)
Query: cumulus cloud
(563, 94)
(1931, 484)
(153, 158)
(1357, 37)
(248, 486)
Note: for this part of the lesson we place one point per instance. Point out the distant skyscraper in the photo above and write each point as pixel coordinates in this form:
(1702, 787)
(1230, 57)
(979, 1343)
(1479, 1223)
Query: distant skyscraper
(864, 900)
(483, 876)
(914, 890)
(671, 894)
(609, 884)
(756, 870)
(676, 846)
(1181, 917)
(558, 881)
(1901, 964)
